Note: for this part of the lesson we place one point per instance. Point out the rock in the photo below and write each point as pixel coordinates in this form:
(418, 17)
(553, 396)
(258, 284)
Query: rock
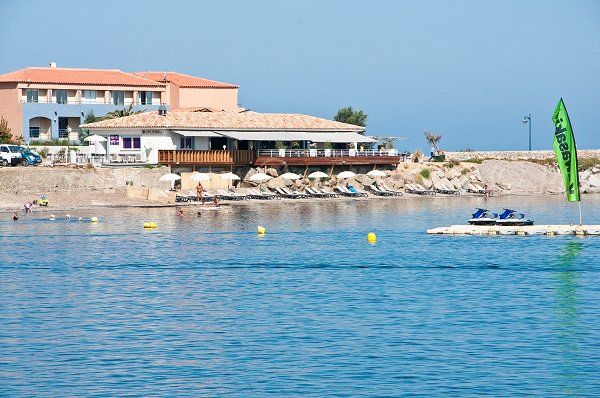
(272, 172)
(594, 181)
(585, 175)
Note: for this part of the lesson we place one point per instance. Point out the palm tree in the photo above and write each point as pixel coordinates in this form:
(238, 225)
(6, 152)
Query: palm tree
(126, 111)
(433, 139)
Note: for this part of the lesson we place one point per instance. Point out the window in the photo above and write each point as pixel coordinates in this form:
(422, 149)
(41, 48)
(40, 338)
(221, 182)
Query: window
(32, 95)
(89, 96)
(118, 97)
(61, 96)
(131, 143)
(34, 132)
(146, 97)
(186, 142)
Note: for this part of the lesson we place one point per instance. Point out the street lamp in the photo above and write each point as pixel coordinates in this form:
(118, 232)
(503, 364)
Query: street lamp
(68, 142)
(527, 120)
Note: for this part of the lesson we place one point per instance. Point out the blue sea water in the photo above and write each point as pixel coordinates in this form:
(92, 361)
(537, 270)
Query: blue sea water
(203, 306)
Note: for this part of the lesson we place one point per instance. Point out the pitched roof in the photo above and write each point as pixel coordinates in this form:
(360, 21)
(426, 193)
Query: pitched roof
(182, 80)
(223, 121)
(108, 77)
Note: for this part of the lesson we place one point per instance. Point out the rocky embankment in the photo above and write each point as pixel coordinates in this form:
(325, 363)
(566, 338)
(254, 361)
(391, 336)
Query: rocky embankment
(69, 187)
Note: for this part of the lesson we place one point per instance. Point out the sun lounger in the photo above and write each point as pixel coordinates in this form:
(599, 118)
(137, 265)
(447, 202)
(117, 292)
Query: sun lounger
(240, 195)
(254, 193)
(383, 187)
(268, 192)
(378, 191)
(315, 193)
(416, 189)
(287, 195)
(346, 192)
(298, 194)
(441, 188)
(226, 195)
(327, 192)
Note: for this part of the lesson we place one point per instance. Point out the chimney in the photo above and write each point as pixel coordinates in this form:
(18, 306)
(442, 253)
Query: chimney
(162, 110)
(52, 65)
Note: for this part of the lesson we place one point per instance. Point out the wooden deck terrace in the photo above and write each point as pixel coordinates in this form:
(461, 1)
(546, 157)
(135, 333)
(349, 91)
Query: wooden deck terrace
(276, 157)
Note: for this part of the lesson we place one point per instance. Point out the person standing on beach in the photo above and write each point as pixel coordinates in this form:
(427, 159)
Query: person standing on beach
(199, 192)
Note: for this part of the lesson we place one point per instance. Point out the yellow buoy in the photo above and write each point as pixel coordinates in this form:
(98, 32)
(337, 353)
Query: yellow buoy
(371, 237)
(94, 219)
(261, 230)
(149, 225)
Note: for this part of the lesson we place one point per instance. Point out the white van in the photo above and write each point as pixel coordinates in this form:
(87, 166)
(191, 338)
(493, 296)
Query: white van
(10, 154)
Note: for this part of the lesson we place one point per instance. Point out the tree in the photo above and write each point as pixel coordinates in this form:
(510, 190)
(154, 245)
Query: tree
(126, 111)
(5, 132)
(350, 116)
(89, 118)
(433, 139)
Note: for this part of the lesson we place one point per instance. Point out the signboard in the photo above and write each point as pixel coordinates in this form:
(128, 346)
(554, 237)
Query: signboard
(114, 139)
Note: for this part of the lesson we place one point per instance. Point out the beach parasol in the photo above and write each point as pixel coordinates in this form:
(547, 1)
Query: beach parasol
(346, 174)
(171, 178)
(229, 176)
(95, 139)
(200, 177)
(376, 173)
(290, 176)
(259, 177)
(318, 174)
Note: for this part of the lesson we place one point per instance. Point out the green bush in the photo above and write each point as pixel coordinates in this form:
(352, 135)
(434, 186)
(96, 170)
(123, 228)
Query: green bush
(44, 152)
(418, 179)
(55, 142)
(425, 173)
(417, 155)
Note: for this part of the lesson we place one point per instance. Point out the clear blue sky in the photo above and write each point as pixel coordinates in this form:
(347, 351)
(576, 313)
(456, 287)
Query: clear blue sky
(468, 70)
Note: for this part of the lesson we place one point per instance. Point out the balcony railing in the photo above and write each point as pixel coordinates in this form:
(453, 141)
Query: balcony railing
(313, 153)
(208, 157)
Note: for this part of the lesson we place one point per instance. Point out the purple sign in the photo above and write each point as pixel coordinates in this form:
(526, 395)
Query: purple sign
(114, 139)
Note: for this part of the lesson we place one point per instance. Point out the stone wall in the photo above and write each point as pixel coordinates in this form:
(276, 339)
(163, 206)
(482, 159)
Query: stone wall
(517, 155)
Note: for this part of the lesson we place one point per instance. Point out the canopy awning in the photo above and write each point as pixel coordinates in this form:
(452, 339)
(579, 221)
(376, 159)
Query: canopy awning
(264, 135)
(337, 137)
(197, 133)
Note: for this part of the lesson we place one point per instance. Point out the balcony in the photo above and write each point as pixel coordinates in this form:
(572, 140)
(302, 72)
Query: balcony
(206, 158)
(280, 157)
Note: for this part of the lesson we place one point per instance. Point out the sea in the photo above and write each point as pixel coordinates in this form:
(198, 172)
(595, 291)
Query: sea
(203, 306)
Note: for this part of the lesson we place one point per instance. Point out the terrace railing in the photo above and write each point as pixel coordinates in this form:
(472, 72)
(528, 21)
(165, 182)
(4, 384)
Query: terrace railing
(309, 153)
(207, 157)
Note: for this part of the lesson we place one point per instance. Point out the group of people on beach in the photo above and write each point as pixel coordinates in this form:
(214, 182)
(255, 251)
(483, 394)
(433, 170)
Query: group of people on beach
(200, 195)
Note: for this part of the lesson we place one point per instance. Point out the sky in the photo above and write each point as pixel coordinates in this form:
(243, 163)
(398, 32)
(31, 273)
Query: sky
(468, 70)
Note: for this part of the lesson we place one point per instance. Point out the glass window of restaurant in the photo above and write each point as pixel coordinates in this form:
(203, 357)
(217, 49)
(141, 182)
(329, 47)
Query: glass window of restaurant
(131, 143)
(34, 132)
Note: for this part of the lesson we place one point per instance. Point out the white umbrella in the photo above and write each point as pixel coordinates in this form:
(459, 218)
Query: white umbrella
(376, 173)
(200, 177)
(229, 176)
(318, 174)
(94, 138)
(170, 177)
(290, 176)
(259, 177)
(346, 174)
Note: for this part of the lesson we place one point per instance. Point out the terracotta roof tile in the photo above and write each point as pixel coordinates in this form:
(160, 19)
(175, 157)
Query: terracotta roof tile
(108, 77)
(223, 121)
(182, 80)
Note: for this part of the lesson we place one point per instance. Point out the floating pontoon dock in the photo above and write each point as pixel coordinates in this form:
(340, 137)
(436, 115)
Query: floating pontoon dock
(550, 230)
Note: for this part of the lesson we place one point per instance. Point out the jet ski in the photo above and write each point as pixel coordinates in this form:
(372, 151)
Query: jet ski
(511, 217)
(483, 217)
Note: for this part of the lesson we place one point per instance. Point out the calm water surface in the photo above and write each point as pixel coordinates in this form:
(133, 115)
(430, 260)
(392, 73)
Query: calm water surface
(202, 306)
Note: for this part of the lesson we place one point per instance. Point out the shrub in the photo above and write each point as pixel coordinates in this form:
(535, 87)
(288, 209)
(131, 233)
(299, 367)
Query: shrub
(425, 173)
(417, 155)
(449, 165)
(465, 171)
(418, 179)
(44, 152)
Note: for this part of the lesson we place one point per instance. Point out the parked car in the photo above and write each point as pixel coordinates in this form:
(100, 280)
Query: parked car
(29, 157)
(10, 155)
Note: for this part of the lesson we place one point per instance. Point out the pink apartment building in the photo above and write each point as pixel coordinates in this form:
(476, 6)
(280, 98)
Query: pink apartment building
(50, 103)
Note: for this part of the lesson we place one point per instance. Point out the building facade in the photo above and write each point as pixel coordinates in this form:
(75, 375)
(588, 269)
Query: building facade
(42, 104)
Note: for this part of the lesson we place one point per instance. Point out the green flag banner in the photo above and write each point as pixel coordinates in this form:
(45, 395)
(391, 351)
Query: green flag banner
(566, 151)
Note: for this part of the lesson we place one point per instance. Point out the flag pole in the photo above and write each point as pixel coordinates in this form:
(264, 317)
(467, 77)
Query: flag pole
(580, 222)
